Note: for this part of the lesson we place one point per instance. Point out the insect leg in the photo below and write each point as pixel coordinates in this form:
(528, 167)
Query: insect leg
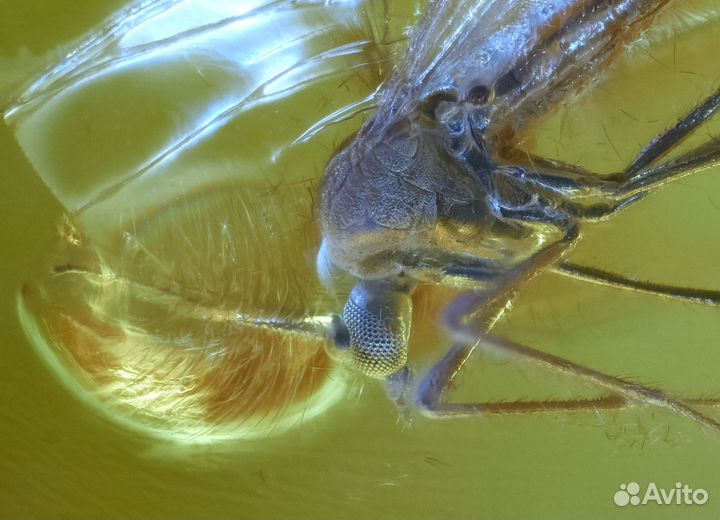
(609, 279)
(623, 393)
(621, 189)
(670, 138)
(617, 191)
(470, 318)
(701, 158)
(492, 306)
(609, 196)
(439, 380)
(615, 196)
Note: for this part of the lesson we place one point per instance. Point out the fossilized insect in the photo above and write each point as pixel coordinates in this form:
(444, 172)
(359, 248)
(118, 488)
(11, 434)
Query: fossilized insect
(190, 312)
(433, 190)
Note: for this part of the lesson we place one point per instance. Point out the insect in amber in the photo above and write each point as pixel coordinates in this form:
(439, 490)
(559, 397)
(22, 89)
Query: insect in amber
(160, 305)
(434, 190)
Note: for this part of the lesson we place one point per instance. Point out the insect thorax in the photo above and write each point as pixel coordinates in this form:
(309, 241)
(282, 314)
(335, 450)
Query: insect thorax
(402, 202)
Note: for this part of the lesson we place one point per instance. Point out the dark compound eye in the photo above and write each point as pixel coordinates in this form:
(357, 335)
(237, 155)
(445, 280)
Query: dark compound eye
(478, 95)
(377, 317)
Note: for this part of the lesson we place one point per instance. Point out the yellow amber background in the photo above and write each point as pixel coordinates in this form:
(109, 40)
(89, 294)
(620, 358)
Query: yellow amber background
(59, 458)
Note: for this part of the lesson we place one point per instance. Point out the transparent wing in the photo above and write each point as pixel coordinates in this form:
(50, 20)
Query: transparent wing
(190, 70)
(184, 297)
(532, 53)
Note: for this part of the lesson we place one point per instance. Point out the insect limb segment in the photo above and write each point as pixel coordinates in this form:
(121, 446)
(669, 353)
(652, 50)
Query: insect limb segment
(486, 309)
(673, 136)
(571, 185)
(608, 279)
(471, 316)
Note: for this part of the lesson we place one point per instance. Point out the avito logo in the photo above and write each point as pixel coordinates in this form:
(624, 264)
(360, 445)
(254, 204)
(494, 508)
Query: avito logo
(681, 494)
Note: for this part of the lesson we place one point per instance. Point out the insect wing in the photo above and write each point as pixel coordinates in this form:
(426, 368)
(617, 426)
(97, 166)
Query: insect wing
(180, 299)
(532, 54)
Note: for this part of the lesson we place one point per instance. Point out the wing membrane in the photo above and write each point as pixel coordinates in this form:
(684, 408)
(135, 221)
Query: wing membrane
(532, 53)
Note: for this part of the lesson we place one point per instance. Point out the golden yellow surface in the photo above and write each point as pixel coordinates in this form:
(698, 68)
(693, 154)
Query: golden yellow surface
(60, 457)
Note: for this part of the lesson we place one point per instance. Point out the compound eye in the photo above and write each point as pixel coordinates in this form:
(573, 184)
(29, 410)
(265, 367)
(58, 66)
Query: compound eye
(377, 317)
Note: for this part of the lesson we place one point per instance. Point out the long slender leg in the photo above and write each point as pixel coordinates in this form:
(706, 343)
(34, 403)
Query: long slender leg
(599, 277)
(620, 190)
(567, 174)
(624, 393)
(572, 187)
(670, 138)
(435, 385)
(494, 306)
(563, 178)
(701, 158)
(471, 317)
(446, 369)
